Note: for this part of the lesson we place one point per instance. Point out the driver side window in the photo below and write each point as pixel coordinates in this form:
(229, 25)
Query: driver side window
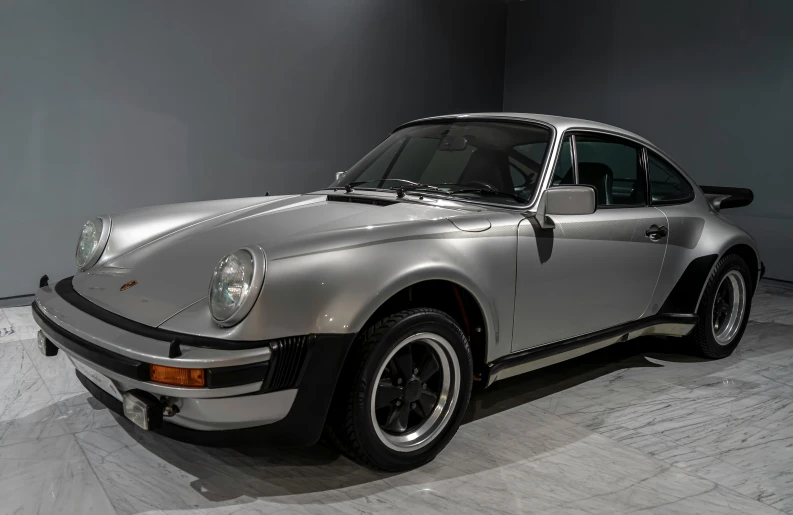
(613, 166)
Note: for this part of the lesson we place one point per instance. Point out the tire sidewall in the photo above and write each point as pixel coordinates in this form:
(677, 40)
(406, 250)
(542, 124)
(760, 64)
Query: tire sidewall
(730, 263)
(434, 322)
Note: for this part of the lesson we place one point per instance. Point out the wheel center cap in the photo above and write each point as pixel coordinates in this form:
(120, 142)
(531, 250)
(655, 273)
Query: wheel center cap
(413, 391)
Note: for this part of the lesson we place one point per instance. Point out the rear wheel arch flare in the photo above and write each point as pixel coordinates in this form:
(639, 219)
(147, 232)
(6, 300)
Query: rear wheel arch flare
(686, 295)
(745, 252)
(749, 255)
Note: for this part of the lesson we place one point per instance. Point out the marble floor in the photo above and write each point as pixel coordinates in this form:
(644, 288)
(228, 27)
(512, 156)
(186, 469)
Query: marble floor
(636, 428)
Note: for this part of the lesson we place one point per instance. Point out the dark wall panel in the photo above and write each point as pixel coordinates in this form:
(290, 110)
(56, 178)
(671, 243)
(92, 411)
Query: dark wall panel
(106, 106)
(709, 81)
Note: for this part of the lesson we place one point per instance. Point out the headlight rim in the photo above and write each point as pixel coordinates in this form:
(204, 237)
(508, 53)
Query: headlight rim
(257, 283)
(107, 224)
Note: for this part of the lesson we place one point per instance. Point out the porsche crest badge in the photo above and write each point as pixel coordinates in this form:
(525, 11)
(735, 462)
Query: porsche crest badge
(127, 285)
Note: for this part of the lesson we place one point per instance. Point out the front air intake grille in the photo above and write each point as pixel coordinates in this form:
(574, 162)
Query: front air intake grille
(361, 200)
(286, 362)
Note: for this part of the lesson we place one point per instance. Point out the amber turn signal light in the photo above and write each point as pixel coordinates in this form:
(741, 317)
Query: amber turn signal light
(177, 376)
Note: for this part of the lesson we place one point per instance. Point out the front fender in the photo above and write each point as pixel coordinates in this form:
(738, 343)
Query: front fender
(429, 272)
(336, 291)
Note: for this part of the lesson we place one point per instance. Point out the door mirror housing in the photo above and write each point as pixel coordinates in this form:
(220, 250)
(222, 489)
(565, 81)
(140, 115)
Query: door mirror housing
(340, 176)
(565, 200)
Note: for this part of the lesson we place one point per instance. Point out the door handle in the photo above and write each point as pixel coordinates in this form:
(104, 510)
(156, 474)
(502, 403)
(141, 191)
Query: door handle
(655, 233)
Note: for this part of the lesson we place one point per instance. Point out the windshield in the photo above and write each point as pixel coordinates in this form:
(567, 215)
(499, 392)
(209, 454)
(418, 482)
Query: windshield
(493, 160)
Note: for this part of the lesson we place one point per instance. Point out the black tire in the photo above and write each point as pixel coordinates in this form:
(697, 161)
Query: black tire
(350, 424)
(703, 336)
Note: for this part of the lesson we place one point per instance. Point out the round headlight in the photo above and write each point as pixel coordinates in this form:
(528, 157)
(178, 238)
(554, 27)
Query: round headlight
(235, 285)
(91, 242)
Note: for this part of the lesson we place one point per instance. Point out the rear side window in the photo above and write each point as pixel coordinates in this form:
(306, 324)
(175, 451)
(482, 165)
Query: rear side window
(666, 184)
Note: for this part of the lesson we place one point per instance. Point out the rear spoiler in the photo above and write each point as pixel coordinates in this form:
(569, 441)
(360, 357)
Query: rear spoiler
(721, 197)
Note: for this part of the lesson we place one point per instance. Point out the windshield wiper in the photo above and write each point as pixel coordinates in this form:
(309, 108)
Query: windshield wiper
(416, 186)
(400, 190)
(411, 183)
(496, 193)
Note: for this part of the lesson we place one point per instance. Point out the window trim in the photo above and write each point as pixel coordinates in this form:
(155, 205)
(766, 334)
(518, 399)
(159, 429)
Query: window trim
(646, 167)
(551, 169)
(672, 202)
(618, 137)
(574, 156)
(393, 162)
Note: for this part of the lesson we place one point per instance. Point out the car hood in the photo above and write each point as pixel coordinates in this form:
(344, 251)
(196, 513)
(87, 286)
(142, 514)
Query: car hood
(178, 246)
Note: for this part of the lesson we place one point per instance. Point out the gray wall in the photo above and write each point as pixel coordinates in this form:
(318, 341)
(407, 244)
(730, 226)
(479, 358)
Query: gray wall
(710, 82)
(110, 105)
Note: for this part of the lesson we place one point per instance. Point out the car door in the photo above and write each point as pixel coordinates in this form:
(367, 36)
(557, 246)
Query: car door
(590, 272)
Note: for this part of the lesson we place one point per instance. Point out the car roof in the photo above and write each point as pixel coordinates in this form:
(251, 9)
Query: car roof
(561, 123)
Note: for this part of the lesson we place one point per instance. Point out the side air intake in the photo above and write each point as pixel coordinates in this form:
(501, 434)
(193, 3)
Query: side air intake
(286, 362)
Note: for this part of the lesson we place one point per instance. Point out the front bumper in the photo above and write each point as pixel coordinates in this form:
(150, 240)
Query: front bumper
(285, 385)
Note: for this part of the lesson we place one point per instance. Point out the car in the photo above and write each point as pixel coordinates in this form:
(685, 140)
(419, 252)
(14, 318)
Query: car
(461, 251)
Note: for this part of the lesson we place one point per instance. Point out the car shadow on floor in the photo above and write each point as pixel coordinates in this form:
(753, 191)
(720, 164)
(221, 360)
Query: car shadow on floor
(277, 475)
(519, 390)
(265, 472)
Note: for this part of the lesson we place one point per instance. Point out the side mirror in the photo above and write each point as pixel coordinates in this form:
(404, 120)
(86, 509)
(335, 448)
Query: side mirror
(565, 200)
(340, 176)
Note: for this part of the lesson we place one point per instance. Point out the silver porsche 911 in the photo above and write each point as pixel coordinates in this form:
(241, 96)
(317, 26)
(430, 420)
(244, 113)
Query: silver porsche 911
(463, 249)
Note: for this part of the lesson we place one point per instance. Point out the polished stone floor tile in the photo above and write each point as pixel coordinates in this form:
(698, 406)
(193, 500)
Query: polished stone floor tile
(641, 427)
(16, 323)
(7, 334)
(551, 466)
(772, 304)
(768, 343)
(19, 324)
(22, 392)
(4, 320)
(19, 317)
(82, 412)
(729, 424)
(49, 475)
(51, 370)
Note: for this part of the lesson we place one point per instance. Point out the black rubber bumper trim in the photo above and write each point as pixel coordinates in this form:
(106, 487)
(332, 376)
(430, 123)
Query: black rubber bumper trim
(303, 424)
(99, 394)
(223, 377)
(67, 292)
(545, 351)
(219, 377)
(117, 363)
